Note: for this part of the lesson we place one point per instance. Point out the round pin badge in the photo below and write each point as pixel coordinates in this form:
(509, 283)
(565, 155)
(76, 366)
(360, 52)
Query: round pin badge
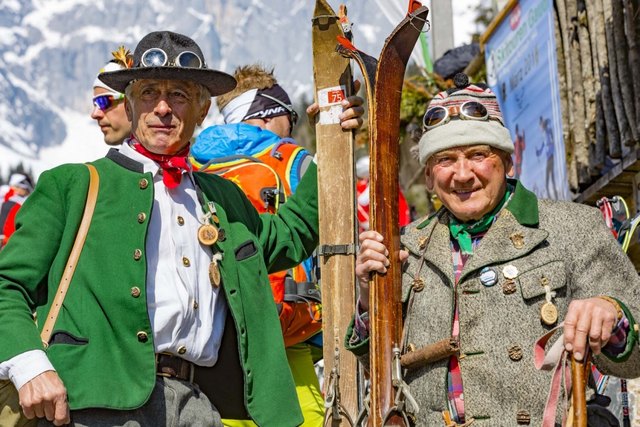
(510, 271)
(488, 277)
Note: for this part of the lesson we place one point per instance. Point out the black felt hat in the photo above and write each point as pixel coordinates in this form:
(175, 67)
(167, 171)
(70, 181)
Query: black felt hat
(172, 44)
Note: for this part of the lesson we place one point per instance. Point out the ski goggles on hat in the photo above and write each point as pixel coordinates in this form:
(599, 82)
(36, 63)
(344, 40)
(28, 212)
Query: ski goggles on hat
(104, 101)
(440, 115)
(156, 57)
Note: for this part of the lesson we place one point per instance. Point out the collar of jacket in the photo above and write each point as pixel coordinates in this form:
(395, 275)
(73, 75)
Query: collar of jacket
(124, 161)
(523, 205)
(520, 217)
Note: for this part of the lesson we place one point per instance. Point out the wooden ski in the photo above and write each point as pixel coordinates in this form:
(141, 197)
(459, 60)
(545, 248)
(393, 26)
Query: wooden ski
(336, 199)
(384, 93)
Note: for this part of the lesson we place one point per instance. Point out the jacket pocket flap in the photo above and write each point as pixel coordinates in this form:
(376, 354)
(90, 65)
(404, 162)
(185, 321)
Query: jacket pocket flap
(245, 250)
(532, 282)
(64, 337)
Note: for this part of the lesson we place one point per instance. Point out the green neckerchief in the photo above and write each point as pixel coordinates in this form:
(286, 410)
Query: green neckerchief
(462, 231)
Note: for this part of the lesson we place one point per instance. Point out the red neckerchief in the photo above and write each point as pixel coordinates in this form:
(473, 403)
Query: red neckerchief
(172, 165)
(10, 193)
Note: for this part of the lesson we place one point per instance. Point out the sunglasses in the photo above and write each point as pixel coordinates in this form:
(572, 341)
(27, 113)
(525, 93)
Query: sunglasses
(293, 115)
(156, 57)
(439, 115)
(104, 101)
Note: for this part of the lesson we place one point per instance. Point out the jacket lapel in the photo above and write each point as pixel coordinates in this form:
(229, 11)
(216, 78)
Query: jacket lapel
(438, 252)
(506, 240)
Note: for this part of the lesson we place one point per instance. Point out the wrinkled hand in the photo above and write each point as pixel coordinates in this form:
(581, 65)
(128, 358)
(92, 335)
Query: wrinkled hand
(373, 256)
(351, 116)
(45, 397)
(592, 319)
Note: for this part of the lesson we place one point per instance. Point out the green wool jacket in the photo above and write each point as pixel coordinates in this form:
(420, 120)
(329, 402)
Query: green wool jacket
(563, 244)
(96, 345)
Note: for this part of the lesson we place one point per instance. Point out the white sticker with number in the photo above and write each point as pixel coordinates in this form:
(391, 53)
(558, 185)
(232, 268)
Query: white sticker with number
(331, 96)
(329, 100)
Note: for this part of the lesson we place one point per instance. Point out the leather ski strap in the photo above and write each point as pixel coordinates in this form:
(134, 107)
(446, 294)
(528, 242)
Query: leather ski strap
(72, 262)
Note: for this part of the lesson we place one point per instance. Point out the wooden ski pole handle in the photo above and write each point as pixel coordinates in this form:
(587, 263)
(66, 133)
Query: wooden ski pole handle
(578, 397)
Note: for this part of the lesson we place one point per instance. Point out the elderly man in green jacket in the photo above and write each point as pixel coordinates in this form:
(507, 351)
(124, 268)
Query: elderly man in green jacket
(495, 269)
(151, 299)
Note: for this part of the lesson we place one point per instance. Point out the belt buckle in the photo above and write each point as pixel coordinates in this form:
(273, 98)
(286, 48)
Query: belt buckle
(179, 363)
(157, 360)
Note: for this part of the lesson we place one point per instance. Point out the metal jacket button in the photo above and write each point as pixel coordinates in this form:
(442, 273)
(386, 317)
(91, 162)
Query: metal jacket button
(180, 220)
(185, 261)
(141, 217)
(182, 349)
(135, 292)
(523, 417)
(142, 336)
(137, 254)
(515, 353)
(144, 183)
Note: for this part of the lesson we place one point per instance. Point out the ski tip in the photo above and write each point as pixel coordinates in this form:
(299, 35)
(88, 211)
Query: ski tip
(342, 13)
(413, 6)
(344, 42)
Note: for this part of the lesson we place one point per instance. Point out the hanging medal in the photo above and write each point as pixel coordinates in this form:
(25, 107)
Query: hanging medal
(207, 232)
(548, 310)
(214, 271)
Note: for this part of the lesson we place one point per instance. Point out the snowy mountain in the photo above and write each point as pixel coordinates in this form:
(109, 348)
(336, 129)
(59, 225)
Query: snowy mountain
(51, 50)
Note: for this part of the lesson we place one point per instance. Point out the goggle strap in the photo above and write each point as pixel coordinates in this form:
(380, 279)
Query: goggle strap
(289, 108)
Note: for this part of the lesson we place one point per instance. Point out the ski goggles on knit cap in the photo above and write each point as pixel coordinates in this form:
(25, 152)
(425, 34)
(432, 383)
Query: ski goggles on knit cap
(440, 115)
(104, 101)
(260, 104)
(466, 115)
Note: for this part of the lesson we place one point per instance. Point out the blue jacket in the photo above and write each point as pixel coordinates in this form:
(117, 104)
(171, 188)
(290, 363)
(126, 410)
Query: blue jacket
(217, 143)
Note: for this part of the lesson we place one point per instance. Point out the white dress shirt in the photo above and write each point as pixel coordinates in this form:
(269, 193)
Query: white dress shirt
(187, 313)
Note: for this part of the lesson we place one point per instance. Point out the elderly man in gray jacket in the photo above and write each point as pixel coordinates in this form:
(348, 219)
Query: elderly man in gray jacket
(496, 269)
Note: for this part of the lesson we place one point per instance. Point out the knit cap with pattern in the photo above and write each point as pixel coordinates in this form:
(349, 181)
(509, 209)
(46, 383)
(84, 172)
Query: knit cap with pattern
(461, 133)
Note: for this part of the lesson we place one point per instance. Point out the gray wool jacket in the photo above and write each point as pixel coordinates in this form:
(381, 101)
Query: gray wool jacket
(563, 244)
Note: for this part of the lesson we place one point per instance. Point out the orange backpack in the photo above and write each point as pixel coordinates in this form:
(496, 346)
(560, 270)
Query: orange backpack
(264, 178)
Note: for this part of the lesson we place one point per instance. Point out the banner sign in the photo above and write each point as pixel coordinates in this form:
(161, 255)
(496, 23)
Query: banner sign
(522, 71)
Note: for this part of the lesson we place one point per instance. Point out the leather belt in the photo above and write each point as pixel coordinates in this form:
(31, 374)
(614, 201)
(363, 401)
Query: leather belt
(168, 365)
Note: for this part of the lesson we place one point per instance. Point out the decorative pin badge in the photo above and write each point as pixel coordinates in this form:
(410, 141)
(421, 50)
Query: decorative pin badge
(509, 286)
(510, 271)
(488, 277)
(517, 239)
(418, 284)
(423, 242)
